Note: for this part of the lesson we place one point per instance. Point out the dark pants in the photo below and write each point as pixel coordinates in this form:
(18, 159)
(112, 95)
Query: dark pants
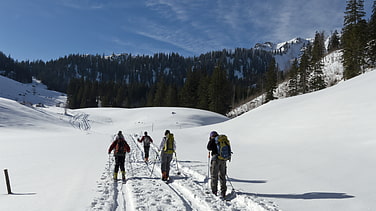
(165, 163)
(119, 163)
(146, 150)
(218, 168)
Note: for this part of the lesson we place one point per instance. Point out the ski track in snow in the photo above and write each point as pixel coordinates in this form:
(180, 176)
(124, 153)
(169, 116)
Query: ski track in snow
(80, 121)
(144, 189)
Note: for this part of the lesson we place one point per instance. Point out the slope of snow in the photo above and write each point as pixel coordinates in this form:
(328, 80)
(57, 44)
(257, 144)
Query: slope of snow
(309, 152)
(314, 150)
(333, 73)
(30, 94)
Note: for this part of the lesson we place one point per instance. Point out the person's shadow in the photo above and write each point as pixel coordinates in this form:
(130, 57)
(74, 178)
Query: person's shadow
(307, 196)
(21, 194)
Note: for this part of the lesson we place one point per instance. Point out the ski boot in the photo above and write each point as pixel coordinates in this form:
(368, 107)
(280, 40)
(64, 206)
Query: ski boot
(115, 175)
(123, 175)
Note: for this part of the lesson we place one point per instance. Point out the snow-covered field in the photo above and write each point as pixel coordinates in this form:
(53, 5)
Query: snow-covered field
(310, 152)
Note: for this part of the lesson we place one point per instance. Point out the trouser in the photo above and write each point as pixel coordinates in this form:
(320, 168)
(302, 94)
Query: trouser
(119, 163)
(146, 150)
(165, 163)
(218, 169)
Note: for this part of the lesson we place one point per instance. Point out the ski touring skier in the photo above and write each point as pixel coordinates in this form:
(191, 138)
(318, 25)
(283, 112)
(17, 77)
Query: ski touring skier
(120, 147)
(218, 166)
(167, 149)
(147, 140)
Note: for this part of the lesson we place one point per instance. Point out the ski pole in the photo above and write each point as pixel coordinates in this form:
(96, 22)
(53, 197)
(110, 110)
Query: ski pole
(177, 167)
(208, 165)
(154, 165)
(156, 152)
(208, 169)
(228, 179)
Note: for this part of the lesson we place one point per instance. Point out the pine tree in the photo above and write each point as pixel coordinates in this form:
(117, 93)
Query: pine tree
(371, 45)
(120, 98)
(317, 81)
(188, 94)
(318, 48)
(334, 42)
(72, 93)
(172, 96)
(202, 92)
(271, 81)
(159, 98)
(293, 79)
(354, 38)
(219, 91)
(304, 70)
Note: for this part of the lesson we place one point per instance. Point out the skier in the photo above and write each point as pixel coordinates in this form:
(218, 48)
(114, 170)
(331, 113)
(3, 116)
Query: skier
(167, 149)
(218, 166)
(120, 147)
(147, 140)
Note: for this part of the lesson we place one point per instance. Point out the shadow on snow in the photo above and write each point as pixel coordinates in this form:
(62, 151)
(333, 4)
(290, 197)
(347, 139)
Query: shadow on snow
(307, 196)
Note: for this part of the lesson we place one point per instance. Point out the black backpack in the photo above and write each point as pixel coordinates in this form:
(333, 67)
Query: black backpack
(147, 141)
(120, 148)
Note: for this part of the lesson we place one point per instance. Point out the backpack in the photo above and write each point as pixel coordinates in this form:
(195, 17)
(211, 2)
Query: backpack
(224, 148)
(169, 144)
(147, 141)
(121, 148)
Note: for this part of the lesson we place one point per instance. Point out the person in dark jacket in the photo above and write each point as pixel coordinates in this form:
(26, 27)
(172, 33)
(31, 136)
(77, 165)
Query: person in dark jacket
(218, 167)
(147, 140)
(120, 147)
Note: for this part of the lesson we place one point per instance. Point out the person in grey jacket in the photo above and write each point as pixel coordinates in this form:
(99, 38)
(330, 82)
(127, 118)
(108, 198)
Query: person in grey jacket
(167, 149)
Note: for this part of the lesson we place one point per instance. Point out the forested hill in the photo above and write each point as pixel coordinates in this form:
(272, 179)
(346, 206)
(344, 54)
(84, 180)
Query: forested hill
(13, 69)
(160, 80)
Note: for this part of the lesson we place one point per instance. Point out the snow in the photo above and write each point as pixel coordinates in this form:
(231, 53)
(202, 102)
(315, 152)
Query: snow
(285, 52)
(333, 73)
(33, 93)
(309, 152)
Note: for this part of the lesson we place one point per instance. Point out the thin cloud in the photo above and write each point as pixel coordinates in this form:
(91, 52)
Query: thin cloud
(82, 4)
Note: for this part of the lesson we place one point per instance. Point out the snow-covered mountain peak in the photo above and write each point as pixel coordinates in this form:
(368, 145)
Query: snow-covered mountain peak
(285, 52)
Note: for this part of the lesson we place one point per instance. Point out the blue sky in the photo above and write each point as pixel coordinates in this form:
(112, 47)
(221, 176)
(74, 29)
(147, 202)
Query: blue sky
(49, 29)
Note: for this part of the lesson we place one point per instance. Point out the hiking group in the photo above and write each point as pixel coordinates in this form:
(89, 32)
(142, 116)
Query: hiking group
(218, 145)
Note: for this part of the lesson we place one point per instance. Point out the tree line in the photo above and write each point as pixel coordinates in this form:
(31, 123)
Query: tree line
(13, 69)
(358, 39)
(213, 81)
(357, 42)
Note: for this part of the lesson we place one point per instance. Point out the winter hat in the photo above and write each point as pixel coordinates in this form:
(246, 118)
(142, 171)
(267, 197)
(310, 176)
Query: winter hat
(120, 135)
(213, 134)
(167, 132)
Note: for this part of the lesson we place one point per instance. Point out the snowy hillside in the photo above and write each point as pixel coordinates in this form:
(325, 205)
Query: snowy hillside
(34, 93)
(285, 52)
(333, 73)
(310, 152)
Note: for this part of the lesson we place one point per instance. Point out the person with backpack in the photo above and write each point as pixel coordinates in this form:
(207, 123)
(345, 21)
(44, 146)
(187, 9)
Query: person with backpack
(120, 147)
(167, 149)
(221, 152)
(146, 140)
